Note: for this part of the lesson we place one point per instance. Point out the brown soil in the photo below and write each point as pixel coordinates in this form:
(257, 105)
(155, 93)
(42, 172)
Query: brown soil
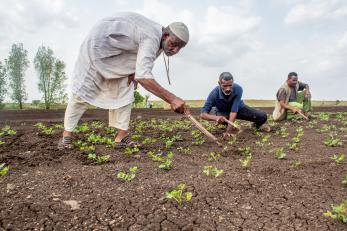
(270, 195)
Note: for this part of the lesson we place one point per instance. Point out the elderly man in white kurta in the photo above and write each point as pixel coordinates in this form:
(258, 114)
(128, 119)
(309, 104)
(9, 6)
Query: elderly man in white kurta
(119, 52)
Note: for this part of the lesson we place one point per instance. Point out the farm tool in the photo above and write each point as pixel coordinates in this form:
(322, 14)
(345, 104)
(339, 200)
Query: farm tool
(201, 128)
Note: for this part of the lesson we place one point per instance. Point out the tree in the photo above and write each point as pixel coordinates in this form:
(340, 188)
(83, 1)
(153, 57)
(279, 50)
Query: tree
(16, 65)
(138, 98)
(51, 73)
(3, 89)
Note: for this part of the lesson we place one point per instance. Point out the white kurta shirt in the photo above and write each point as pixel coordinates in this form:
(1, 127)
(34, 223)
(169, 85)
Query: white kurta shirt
(116, 47)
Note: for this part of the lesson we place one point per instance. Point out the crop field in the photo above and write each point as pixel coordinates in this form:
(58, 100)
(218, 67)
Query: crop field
(293, 178)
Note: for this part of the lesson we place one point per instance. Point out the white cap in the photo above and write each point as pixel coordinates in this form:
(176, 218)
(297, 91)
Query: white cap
(180, 30)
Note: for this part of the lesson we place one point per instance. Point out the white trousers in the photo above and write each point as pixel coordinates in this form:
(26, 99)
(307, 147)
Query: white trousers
(118, 118)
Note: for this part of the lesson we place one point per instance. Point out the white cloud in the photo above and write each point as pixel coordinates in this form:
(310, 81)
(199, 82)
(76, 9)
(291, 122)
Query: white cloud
(317, 10)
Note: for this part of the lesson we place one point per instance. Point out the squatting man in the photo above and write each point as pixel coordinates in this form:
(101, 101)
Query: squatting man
(293, 97)
(118, 52)
(225, 102)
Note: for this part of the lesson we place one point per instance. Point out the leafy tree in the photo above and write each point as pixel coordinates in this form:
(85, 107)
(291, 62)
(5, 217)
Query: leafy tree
(138, 98)
(51, 73)
(3, 89)
(16, 65)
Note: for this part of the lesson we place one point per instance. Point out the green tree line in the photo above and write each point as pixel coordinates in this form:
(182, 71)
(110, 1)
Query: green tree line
(50, 73)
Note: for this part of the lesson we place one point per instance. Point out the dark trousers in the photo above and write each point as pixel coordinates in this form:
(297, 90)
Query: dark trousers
(249, 114)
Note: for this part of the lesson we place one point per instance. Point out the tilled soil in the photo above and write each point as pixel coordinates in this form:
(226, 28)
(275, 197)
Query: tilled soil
(51, 189)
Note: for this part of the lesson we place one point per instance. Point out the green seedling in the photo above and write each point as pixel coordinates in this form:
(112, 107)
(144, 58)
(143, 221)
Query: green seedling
(95, 138)
(311, 124)
(338, 158)
(279, 153)
(332, 142)
(2, 142)
(339, 212)
(232, 140)
(198, 141)
(293, 146)
(3, 169)
(111, 130)
(169, 141)
(246, 151)
(131, 150)
(149, 140)
(178, 195)
(7, 131)
(214, 156)
(283, 132)
(295, 164)
(296, 139)
(155, 157)
(83, 146)
(82, 128)
(45, 130)
(263, 140)
(128, 176)
(58, 126)
(212, 171)
(167, 163)
(97, 124)
(326, 128)
(246, 162)
(323, 116)
(344, 181)
(99, 159)
(186, 150)
(136, 136)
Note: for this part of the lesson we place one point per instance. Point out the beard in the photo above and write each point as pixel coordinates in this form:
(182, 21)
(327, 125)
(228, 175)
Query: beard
(226, 92)
(166, 49)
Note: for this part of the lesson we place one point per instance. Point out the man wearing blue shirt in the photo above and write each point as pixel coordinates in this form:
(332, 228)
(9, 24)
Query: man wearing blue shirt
(226, 98)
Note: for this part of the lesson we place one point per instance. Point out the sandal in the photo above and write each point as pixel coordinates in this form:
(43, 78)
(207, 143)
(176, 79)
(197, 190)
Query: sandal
(65, 144)
(127, 142)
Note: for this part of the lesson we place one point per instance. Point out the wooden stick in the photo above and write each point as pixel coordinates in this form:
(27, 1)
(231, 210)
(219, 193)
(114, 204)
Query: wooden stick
(306, 118)
(231, 123)
(199, 126)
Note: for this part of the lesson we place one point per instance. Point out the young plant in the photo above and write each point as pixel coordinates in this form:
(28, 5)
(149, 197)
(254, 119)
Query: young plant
(155, 157)
(128, 176)
(338, 158)
(186, 150)
(212, 171)
(263, 140)
(99, 159)
(111, 130)
(279, 153)
(332, 142)
(198, 138)
(339, 212)
(2, 142)
(246, 162)
(149, 140)
(45, 130)
(293, 146)
(3, 169)
(131, 150)
(95, 138)
(344, 181)
(232, 140)
(97, 124)
(82, 128)
(214, 156)
(295, 164)
(178, 195)
(167, 163)
(246, 151)
(7, 131)
(283, 132)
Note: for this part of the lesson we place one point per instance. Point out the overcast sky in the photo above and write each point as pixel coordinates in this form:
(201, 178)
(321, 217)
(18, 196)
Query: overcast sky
(259, 42)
